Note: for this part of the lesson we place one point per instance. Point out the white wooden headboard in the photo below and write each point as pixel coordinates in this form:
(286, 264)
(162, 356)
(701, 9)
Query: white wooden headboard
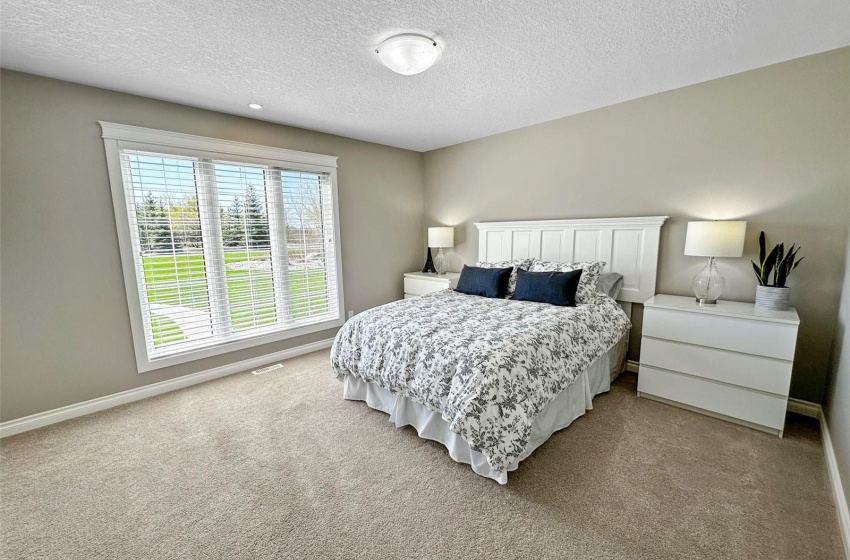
(628, 245)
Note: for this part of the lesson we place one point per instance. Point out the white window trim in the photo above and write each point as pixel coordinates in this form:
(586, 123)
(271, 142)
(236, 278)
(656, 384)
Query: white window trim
(117, 137)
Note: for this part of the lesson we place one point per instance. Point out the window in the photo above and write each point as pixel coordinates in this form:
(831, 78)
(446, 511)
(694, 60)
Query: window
(224, 245)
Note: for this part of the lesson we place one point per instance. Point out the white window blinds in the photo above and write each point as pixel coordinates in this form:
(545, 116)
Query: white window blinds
(226, 250)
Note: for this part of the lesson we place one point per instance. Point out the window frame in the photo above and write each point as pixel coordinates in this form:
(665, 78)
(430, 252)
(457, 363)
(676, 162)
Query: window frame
(117, 137)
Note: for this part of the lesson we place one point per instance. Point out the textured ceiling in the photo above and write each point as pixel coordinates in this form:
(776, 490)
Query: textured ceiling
(505, 65)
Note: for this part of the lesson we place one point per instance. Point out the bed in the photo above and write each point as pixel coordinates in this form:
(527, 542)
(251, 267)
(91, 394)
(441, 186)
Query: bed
(492, 379)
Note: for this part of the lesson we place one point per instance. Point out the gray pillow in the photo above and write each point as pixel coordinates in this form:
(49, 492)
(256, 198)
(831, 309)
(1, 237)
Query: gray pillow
(609, 283)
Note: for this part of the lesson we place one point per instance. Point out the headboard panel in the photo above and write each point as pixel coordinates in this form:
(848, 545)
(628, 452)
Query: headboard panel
(628, 245)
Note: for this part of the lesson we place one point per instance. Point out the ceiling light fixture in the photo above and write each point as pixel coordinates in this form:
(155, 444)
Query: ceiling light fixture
(255, 106)
(409, 53)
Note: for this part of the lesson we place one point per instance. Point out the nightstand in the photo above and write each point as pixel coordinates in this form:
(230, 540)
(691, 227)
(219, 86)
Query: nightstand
(421, 283)
(730, 360)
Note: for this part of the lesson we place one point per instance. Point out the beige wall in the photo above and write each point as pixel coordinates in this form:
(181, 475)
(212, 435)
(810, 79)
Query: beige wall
(769, 146)
(837, 407)
(65, 326)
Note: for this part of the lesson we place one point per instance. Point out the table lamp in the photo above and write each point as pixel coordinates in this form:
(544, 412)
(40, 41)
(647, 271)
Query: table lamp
(712, 240)
(440, 237)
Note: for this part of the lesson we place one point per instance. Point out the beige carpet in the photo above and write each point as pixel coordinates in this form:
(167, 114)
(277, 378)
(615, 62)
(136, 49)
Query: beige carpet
(279, 466)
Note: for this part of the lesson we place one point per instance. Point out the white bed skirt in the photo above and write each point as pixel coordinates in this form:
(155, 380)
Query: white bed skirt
(571, 403)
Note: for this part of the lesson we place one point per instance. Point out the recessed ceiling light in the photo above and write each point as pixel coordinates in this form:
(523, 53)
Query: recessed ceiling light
(255, 106)
(409, 53)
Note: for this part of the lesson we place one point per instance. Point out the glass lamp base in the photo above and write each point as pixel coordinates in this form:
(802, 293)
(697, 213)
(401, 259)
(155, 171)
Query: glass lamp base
(708, 284)
(440, 262)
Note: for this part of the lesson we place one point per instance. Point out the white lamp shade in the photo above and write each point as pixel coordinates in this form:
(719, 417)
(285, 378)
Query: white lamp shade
(441, 237)
(715, 239)
(409, 54)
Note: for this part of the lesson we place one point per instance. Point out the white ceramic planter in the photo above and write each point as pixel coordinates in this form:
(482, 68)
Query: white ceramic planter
(772, 299)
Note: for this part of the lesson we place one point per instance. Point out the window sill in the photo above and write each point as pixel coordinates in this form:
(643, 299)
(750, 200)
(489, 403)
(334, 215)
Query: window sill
(146, 364)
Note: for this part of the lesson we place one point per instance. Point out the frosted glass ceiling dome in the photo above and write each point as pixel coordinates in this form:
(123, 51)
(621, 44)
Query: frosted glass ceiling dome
(409, 53)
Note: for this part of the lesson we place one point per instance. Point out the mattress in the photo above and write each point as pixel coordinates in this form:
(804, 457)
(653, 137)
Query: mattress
(569, 404)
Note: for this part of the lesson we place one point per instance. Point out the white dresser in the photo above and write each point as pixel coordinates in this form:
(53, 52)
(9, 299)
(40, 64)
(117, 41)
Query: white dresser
(729, 360)
(421, 283)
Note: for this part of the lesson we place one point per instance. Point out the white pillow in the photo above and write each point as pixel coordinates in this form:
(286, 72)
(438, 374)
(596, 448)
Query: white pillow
(589, 275)
(524, 264)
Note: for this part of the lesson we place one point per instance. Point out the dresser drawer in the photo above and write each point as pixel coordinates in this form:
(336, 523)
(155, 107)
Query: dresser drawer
(756, 408)
(419, 286)
(745, 370)
(777, 340)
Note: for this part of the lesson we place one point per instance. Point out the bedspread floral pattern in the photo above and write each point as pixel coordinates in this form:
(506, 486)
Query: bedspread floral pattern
(487, 365)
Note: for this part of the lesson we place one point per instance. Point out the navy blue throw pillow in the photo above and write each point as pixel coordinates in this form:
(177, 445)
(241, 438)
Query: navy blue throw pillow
(557, 288)
(487, 282)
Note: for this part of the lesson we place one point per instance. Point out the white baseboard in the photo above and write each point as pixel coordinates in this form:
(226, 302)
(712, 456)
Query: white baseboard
(804, 408)
(46, 418)
(839, 498)
(838, 495)
(632, 366)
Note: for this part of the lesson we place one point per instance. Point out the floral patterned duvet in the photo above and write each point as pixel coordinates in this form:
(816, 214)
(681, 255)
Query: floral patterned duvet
(488, 366)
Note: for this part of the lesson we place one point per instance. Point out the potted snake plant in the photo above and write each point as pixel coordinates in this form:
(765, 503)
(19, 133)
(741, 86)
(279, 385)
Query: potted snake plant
(775, 296)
